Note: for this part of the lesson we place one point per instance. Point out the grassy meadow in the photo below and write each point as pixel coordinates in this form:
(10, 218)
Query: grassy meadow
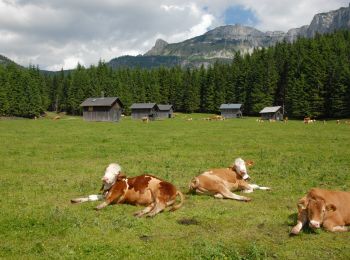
(44, 163)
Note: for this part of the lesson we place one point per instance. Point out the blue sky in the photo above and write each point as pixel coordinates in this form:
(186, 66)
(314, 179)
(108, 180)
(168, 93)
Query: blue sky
(240, 15)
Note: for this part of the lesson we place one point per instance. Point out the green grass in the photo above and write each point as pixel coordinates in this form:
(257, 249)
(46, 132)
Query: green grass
(45, 163)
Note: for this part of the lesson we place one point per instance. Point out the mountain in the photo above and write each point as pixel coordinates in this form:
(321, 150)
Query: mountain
(6, 61)
(221, 43)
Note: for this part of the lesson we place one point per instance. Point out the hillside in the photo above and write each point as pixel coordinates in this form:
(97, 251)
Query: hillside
(6, 61)
(221, 43)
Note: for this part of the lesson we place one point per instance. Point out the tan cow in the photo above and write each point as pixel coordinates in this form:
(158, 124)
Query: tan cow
(220, 182)
(330, 209)
(145, 190)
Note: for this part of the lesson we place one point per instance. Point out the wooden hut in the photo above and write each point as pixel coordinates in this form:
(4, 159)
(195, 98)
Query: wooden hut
(274, 113)
(165, 111)
(231, 110)
(140, 110)
(102, 109)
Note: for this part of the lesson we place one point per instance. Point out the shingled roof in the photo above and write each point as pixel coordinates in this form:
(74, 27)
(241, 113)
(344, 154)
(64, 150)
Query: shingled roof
(165, 107)
(143, 105)
(100, 102)
(270, 109)
(230, 106)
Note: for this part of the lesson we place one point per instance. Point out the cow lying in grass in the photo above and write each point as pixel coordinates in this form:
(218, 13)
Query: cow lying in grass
(330, 209)
(145, 190)
(220, 182)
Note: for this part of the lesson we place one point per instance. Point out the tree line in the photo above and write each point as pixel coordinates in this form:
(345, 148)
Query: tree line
(310, 77)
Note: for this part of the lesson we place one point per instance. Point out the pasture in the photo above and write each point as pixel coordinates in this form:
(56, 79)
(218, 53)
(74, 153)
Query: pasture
(44, 163)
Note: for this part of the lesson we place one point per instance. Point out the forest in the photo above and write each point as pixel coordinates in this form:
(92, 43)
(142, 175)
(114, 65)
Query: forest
(310, 77)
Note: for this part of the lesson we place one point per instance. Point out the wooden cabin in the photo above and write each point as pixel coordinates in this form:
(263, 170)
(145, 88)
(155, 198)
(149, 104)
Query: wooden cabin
(273, 113)
(231, 110)
(165, 111)
(140, 110)
(102, 109)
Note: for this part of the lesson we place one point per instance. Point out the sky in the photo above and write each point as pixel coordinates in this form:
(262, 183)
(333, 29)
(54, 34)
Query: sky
(55, 34)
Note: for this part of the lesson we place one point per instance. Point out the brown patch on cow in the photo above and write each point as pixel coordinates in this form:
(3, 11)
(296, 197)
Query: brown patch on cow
(167, 190)
(116, 192)
(139, 183)
(188, 221)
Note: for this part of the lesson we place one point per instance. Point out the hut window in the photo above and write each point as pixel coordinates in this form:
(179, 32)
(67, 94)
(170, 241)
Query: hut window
(91, 109)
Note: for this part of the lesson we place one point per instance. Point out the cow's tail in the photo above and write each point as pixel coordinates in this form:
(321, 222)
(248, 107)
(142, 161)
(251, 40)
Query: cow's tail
(194, 184)
(182, 199)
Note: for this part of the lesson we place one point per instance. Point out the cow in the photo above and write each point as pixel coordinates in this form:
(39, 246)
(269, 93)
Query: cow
(145, 190)
(145, 119)
(326, 208)
(220, 182)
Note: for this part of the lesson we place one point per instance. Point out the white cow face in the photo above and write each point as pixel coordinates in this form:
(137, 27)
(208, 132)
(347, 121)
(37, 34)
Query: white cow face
(110, 176)
(241, 168)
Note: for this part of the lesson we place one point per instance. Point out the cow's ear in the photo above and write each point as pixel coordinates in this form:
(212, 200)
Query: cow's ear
(331, 207)
(121, 176)
(249, 163)
(302, 203)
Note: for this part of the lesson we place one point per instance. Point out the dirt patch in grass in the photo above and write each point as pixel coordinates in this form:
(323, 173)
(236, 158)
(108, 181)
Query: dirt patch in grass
(188, 221)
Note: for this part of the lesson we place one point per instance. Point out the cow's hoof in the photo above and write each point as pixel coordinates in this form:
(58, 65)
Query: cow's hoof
(293, 233)
(248, 200)
(74, 201)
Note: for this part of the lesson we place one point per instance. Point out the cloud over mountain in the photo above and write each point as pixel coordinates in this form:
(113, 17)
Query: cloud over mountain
(60, 33)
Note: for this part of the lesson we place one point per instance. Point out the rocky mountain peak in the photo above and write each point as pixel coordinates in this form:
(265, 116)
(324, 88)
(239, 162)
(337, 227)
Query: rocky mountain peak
(233, 31)
(158, 47)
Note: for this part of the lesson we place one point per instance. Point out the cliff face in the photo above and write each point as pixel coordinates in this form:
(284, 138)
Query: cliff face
(224, 41)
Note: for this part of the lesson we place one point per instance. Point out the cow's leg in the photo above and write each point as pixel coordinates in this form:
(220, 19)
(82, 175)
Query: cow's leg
(218, 196)
(144, 211)
(340, 229)
(302, 219)
(335, 223)
(159, 206)
(111, 197)
(88, 198)
(257, 187)
(226, 193)
(302, 216)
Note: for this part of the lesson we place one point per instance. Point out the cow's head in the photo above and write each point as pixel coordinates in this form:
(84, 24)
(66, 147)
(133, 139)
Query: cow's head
(110, 176)
(241, 168)
(316, 210)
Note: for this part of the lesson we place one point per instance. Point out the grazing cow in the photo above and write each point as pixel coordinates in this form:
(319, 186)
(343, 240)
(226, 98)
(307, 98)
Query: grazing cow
(220, 182)
(145, 119)
(145, 190)
(217, 118)
(326, 208)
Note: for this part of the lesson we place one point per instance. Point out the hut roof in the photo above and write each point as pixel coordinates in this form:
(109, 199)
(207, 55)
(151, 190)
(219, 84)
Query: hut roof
(100, 102)
(230, 106)
(165, 107)
(270, 109)
(143, 105)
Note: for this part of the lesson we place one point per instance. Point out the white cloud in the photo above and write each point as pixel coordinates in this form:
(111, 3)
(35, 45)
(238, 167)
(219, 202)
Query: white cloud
(61, 33)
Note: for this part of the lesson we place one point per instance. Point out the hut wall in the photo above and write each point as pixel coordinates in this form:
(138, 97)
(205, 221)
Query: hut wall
(102, 113)
(165, 114)
(275, 116)
(139, 113)
(231, 113)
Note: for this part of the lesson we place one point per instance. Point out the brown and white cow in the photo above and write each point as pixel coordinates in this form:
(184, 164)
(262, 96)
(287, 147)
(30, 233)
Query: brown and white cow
(146, 190)
(220, 182)
(326, 208)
